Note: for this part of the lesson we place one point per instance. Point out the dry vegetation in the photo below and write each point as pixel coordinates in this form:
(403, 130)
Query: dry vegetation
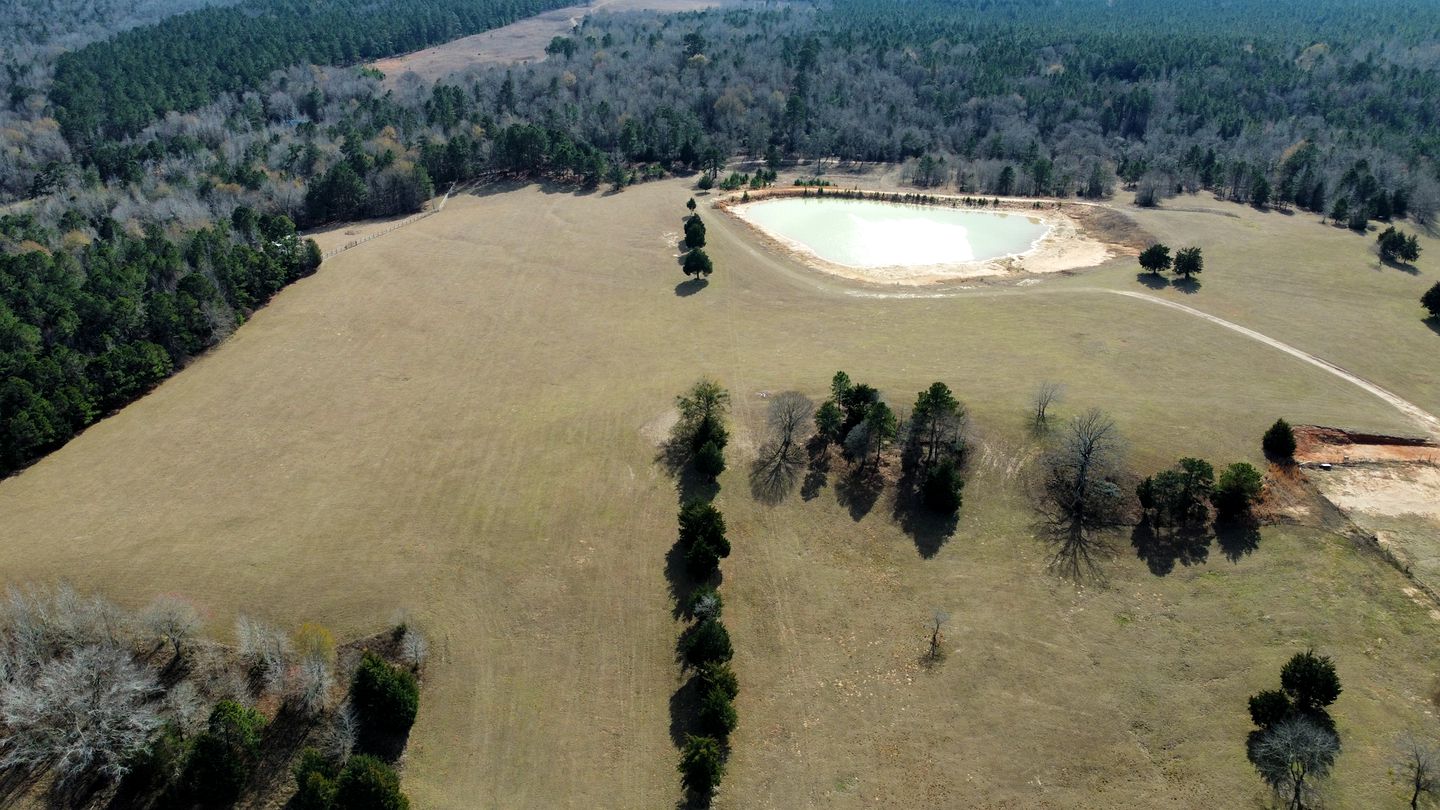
(461, 418)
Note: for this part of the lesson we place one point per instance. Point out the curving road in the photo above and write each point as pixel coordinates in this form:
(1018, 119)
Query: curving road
(1422, 417)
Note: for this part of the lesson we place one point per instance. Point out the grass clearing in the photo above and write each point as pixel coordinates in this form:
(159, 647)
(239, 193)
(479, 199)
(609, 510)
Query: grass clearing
(458, 419)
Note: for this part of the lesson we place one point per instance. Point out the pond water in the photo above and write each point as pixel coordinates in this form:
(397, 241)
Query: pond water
(869, 233)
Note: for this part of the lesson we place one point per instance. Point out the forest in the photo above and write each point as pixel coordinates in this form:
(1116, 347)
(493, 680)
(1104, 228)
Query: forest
(212, 126)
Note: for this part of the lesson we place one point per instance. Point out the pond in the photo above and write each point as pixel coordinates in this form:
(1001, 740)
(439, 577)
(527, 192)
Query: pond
(873, 234)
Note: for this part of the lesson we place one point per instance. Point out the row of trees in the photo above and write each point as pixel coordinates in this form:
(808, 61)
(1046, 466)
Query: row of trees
(696, 262)
(704, 646)
(1187, 263)
(117, 702)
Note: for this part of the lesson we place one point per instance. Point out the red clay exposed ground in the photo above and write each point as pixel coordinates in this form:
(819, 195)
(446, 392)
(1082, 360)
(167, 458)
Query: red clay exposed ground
(1325, 445)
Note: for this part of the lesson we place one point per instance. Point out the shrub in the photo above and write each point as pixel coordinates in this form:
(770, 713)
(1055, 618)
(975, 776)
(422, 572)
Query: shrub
(718, 675)
(386, 697)
(1279, 441)
(705, 642)
(367, 783)
(717, 714)
(223, 755)
(315, 781)
(1237, 490)
(1269, 707)
(710, 460)
(706, 182)
(704, 603)
(943, 487)
(694, 232)
(702, 764)
(1431, 300)
(1310, 681)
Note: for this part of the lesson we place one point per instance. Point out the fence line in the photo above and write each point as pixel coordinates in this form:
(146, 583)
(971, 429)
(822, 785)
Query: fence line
(394, 227)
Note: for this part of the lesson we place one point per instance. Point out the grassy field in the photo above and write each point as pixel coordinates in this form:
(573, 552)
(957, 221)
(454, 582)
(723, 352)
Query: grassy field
(459, 419)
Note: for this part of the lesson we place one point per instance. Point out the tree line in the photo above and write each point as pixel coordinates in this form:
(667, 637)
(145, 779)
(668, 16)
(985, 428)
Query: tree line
(87, 328)
(137, 710)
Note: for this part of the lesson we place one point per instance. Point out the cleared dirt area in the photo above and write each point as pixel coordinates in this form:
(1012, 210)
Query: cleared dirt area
(518, 42)
(459, 418)
(1388, 486)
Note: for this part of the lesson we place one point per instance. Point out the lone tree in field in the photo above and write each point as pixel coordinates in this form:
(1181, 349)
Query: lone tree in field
(1292, 756)
(1156, 259)
(1047, 394)
(1279, 441)
(690, 204)
(694, 232)
(698, 264)
(1431, 300)
(1418, 765)
(937, 621)
(1080, 494)
(1189, 262)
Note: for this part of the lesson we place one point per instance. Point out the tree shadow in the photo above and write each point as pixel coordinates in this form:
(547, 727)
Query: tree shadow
(1434, 323)
(928, 529)
(817, 474)
(859, 490)
(774, 475)
(1395, 264)
(1161, 550)
(690, 286)
(1154, 281)
(1077, 554)
(1237, 536)
(684, 708)
(1189, 286)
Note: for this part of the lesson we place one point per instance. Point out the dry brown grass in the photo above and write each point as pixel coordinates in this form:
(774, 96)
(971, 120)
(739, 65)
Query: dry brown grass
(458, 418)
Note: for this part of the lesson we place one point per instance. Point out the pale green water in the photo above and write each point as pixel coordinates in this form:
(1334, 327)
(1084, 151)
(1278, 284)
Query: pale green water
(867, 233)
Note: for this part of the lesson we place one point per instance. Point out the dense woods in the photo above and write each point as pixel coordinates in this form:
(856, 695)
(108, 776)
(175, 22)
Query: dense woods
(86, 329)
(160, 171)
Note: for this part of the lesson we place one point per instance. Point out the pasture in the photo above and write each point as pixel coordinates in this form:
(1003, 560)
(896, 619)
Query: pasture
(460, 419)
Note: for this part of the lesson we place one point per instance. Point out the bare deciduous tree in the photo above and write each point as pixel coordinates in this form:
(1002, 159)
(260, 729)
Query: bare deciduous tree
(414, 648)
(266, 650)
(1047, 394)
(1080, 493)
(315, 676)
(173, 620)
(339, 737)
(1292, 756)
(1418, 765)
(86, 712)
(937, 621)
(782, 457)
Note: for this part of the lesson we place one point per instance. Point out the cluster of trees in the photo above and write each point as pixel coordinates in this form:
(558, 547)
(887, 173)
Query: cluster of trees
(87, 328)
(696, 262)
(1396, 245)
(386, 698)
(139, 706)
(1295, 743)
(1182, 496)
(1187, 263)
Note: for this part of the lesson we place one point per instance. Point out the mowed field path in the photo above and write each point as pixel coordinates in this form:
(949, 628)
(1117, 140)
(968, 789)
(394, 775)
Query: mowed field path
(459, 420)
